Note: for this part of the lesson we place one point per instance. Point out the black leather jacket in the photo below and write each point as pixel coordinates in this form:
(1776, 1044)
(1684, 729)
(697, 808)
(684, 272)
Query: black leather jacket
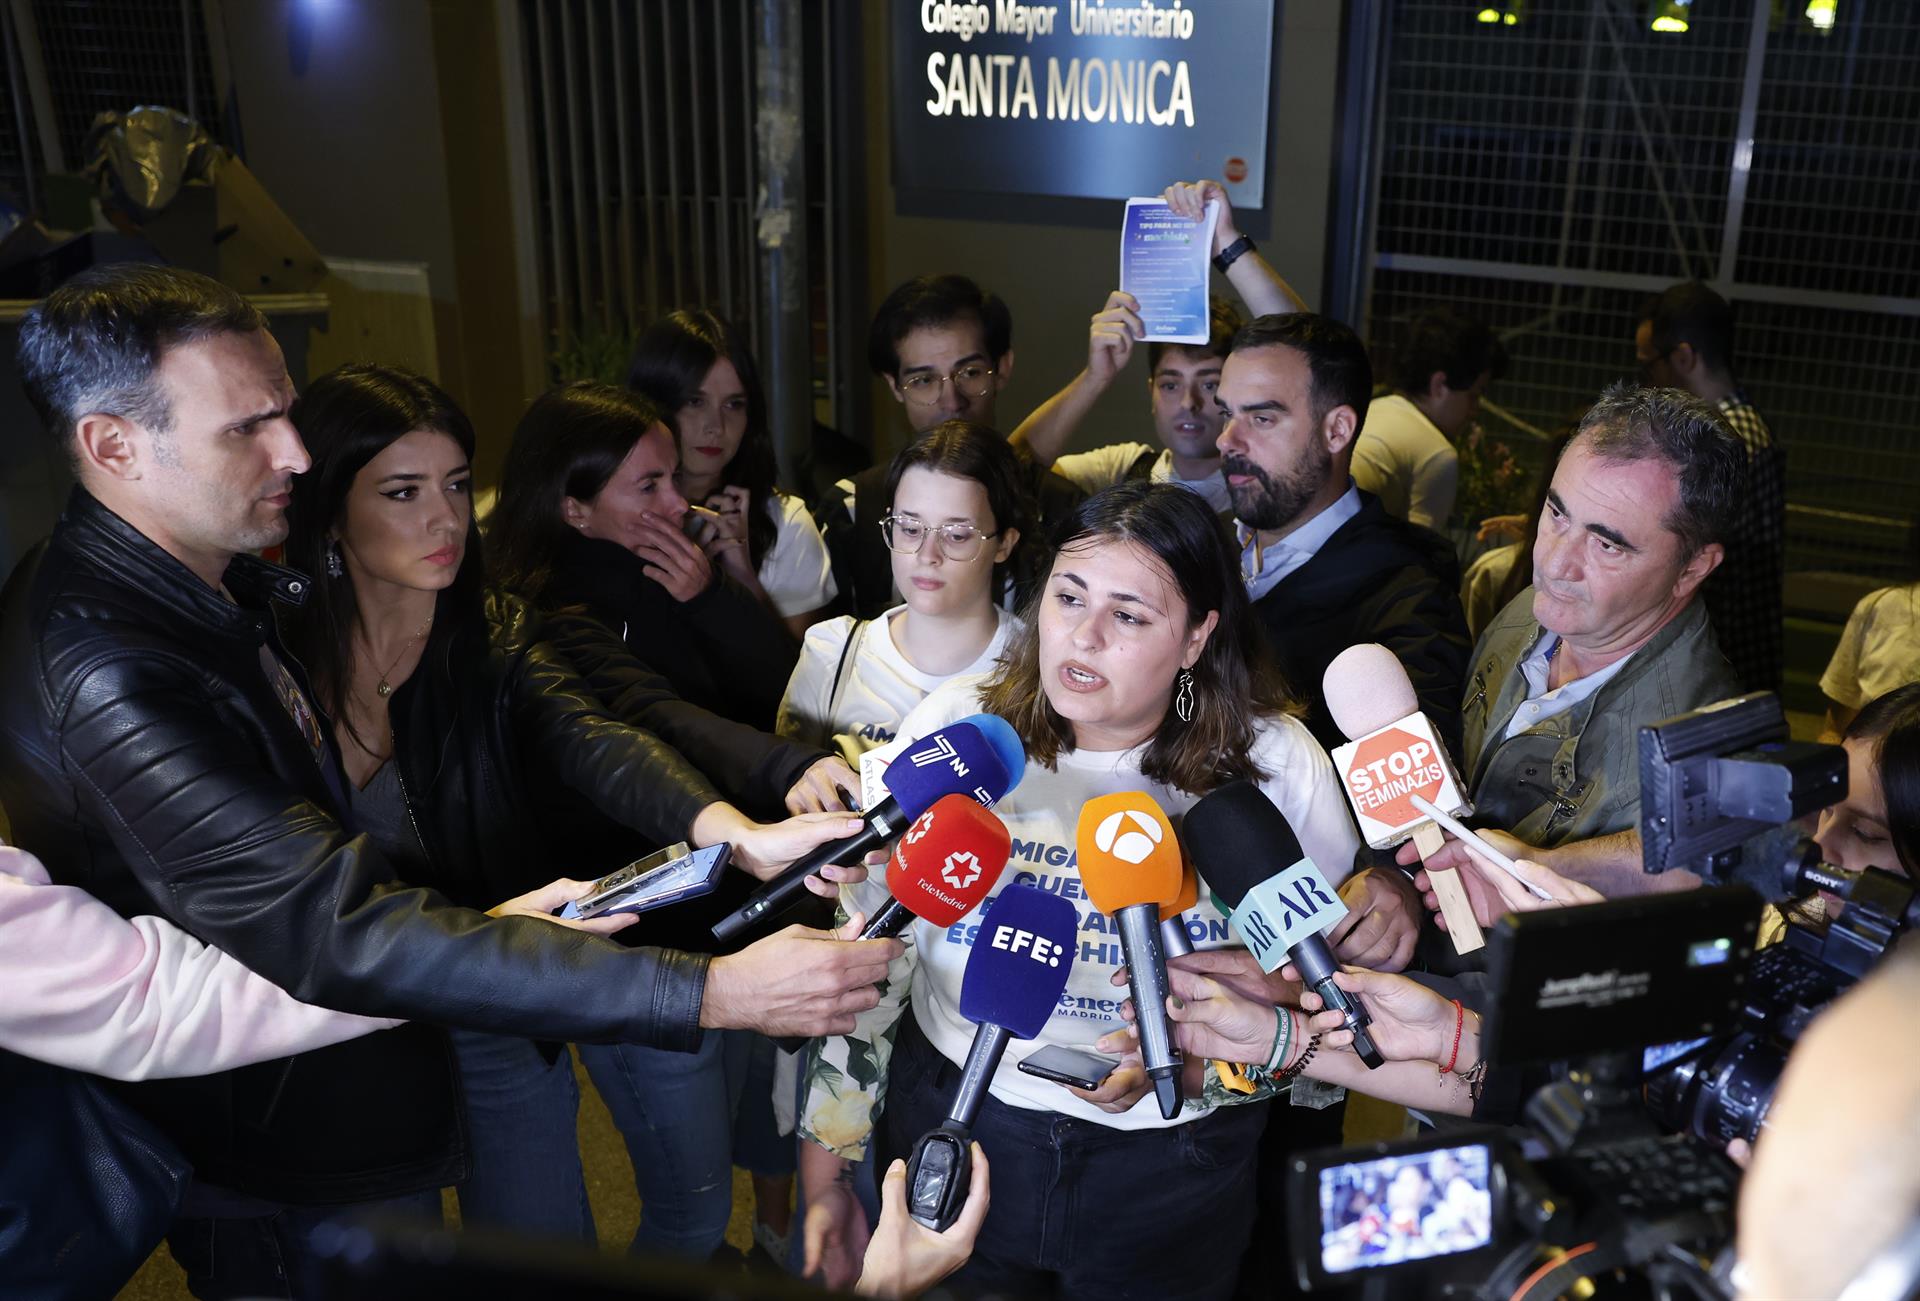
(145, 757)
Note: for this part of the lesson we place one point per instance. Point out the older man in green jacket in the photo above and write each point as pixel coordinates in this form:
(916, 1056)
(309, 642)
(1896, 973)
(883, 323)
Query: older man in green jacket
(1611, 636)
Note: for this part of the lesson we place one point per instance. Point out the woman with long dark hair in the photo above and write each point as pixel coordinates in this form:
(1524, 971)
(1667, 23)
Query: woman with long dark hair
(696, 367)
(589, 516)
(441, 695)
(1139, 669)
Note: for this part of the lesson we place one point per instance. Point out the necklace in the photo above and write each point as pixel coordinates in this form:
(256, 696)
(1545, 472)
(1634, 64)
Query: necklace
(385, 688)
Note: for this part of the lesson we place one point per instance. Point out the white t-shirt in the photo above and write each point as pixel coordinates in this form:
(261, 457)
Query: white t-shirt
(796, 572)
(1879, 650)
(878, 686)
(1042, 812)
(1105, 466)
(1402, 458)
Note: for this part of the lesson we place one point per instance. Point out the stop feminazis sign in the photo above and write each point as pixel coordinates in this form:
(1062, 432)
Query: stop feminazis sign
(1384, 770)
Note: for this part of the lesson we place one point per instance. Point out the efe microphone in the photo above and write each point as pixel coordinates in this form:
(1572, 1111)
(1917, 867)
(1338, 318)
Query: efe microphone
(1233, 832)
(1014, 978)
(1131, 867)
(1392, 761)
(979, 756)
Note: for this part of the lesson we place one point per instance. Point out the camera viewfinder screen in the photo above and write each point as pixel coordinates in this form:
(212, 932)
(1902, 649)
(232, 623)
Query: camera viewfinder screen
(1399, 1208)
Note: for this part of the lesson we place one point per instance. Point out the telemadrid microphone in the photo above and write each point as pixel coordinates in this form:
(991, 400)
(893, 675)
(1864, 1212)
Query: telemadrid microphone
(968, 757)
(1131, 866)
(1014, 978)
(1392, 759)
(943, 867)
(1233, 832)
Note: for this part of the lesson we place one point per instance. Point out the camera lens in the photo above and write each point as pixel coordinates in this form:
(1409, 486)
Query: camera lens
(1721, 1093)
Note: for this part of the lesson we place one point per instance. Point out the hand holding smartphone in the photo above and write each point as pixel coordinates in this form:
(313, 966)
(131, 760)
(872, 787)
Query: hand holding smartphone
(1075, 1066)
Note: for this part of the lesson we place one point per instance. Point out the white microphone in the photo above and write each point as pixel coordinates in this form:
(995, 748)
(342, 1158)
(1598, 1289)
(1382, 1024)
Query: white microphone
(1392, 759)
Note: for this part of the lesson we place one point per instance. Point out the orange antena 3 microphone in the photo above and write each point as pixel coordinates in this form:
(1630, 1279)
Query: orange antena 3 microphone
(1391, 762)
(1132, 868)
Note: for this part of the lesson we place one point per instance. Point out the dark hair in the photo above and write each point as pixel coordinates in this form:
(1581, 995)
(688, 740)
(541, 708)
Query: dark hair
(94, 343)
(1453, 343)
(1892, 723)
(1337, 360)
(1691, 313)
(670, 363)
(1223, 322)
(1234, 680)
(1631, 423)
(929, 301)
(346, 418)
(968, 450)
(568, 444)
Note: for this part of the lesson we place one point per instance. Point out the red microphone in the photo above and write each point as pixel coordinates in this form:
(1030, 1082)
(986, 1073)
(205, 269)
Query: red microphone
(943, 867)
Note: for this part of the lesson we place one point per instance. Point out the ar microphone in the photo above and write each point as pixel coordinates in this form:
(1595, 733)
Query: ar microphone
(978, 756)
(943, 867)
(1131, 866)
(1233, 832)
(1392, 755)
(1015, 975)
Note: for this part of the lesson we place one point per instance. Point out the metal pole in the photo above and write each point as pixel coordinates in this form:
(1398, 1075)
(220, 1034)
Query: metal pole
(186, 48)
(1742, 163)
(780, 228)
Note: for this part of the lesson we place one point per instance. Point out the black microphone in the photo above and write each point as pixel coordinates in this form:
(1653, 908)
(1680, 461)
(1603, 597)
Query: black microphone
(1234, 833)
(968, 757)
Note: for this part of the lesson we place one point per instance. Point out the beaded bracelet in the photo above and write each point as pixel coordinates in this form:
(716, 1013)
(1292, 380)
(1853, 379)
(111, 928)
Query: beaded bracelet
(1459, 1023)
(1300, 1065)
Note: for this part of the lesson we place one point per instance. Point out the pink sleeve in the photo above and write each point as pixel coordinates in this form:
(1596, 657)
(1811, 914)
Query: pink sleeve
(141, 999)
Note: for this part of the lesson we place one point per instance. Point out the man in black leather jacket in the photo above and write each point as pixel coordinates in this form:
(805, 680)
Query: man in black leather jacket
(158, 749)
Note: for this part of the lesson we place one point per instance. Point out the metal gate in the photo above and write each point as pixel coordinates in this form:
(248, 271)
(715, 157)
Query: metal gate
(1548, 164)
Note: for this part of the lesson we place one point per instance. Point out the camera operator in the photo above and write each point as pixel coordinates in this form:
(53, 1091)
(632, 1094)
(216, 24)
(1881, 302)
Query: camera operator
(1848, 1165)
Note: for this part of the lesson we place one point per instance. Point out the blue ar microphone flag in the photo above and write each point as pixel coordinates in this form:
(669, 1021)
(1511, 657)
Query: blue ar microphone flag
(956, 759)
(1015, 975)
(1281, 911)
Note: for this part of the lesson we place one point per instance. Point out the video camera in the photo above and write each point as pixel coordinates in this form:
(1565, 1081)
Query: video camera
(1598, 1184)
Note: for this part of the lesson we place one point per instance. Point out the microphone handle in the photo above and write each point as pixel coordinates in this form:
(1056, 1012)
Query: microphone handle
(892, 918)
(1147, 977)
(983, 1059)
(880, 824)
(1315, 961)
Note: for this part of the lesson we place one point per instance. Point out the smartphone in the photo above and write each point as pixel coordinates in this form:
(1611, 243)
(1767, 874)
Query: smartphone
(700, 524)
(670, 876)
(1075, 1066)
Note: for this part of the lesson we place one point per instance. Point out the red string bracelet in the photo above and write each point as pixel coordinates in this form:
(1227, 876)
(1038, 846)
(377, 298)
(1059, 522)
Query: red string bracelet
(1459, 1022)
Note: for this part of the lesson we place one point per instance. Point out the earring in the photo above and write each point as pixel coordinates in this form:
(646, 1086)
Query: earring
(1183, 695)
(336, 567)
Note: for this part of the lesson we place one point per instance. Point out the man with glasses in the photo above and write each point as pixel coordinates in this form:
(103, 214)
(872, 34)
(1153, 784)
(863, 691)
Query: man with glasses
(1684, 340)
(945, 348)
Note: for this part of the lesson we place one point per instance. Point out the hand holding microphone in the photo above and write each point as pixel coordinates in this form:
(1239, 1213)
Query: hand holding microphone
(1014, 978)
(979, 756)
(1392, 760)
(1236, 836)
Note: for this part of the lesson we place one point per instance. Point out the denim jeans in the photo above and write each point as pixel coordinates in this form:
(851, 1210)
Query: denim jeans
(1084, 1210)
(268, 1255)
(683, 1118)
(523, 1147)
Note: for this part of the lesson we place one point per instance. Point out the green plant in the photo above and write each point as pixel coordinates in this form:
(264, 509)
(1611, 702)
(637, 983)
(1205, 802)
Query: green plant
(1491, 481)
(594, 351)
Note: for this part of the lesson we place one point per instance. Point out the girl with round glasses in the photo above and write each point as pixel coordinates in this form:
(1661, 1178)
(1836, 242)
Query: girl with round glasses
(956, 513)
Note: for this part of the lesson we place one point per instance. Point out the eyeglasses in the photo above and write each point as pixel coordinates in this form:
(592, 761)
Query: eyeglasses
(970, 381)
(906, 535)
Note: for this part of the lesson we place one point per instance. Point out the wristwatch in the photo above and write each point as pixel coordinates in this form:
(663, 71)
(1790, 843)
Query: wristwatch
(1232, 253)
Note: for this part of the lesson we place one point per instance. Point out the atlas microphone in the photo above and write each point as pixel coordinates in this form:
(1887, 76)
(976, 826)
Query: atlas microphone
(979, 756)
(1234, 833)
(943, 867)
(1131, 866)
(1393, 759)
(1014, 978)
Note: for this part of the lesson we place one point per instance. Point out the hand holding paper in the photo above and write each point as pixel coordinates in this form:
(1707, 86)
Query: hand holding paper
(1165, 261)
